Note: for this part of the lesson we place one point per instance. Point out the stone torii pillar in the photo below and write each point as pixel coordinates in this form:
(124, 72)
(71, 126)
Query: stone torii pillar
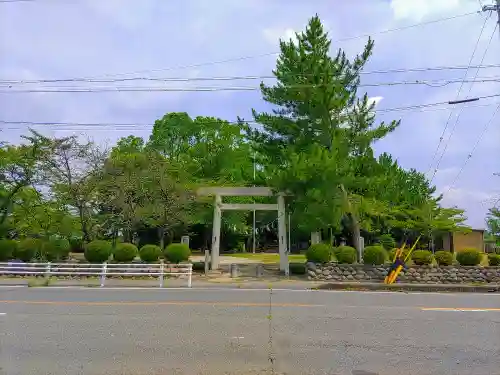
(219, 206)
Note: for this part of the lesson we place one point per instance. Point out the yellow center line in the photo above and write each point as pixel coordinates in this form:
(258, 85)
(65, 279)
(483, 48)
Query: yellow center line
(477, 309)
(156, 303)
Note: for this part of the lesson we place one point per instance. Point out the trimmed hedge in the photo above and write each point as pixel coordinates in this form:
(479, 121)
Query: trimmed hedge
(55, 249)
(177, 252)
(7, 249)
(125, 252)
(319, 253)
(150, 253)
(346, 254)
(469, 257)
(444, 258)
(422, 257)
(27, 249)
(494, 260)
(98, 251)
(375, 255)
(199, 267)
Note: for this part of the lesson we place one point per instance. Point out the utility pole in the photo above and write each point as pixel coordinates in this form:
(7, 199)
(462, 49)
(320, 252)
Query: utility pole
(253, 225)
(494, 8)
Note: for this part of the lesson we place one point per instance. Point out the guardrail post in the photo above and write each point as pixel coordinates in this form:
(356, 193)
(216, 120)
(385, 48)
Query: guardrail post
(190, 270)
(48, 270)
(162, 270)
(103, 273)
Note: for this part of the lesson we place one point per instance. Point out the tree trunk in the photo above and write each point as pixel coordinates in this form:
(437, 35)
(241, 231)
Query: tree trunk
(161, 236)
(356, 235)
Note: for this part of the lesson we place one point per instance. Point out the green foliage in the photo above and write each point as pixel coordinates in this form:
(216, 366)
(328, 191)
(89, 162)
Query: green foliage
(297, 269)
(7, 248)
(55, 249)
(444, 258)
(375, 255)
(77, 245)
(98, 251)
(319, 253)
(494, 260)
(469, 257)
(346, 254)
(177, 253)
(493, 224)
(387, 241)
(422, 257)
(124, 252)
(27, 249)
(150, 253)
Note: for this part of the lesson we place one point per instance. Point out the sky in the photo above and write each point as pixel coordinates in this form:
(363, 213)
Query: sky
(109, 39)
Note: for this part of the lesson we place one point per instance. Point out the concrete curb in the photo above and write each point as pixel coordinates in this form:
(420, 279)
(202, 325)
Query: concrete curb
(401, 287)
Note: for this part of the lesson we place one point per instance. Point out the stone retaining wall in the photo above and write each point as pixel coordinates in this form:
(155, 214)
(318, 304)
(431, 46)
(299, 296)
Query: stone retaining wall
(413, 274)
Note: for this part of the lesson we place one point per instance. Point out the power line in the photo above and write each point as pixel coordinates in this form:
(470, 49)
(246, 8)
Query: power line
(478, 141)
(98, 89)
(458, 95)
(234, 78)
(417, 107)
(461, 109)
(242, 58)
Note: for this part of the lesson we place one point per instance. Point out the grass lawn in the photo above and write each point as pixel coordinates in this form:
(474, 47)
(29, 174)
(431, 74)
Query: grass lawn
(269, 258)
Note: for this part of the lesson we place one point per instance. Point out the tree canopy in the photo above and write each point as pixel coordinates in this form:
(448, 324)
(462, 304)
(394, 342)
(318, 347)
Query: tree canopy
(317, 144)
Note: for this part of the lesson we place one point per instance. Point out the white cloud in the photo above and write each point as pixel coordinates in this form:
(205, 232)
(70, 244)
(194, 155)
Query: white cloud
(417, 10)
(274, 35)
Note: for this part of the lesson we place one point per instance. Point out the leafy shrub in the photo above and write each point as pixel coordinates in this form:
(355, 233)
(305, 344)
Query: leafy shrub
(27, 249)
(98, 251)
(297, 269)
(346, 254)
(422, 257)
(150, 253)
(177, 252)
(375, 255)
(77, 245)
(494, 260)
(55, 249)
(469, 257)
(125, 252)
(319, 253)
(387, 241)
(444, 258)
(7, 248)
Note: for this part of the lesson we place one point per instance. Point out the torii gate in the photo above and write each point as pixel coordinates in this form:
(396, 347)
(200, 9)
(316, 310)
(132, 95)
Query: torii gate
(258, 191)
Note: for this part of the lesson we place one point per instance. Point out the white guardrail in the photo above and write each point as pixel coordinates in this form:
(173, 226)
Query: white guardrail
(101, 270)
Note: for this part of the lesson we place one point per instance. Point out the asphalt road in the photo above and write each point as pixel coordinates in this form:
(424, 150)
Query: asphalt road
(173, 332)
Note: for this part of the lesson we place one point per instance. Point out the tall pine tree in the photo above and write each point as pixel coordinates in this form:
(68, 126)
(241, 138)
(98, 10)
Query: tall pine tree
(317, 141)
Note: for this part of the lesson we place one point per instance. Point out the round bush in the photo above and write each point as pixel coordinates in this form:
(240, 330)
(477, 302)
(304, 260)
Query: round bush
(494, 260)
(375, 255)
(55, 249)
(177, 252)
(422, 257)
(469, 257)
(346, 254)
(319, 253)
(387, 241)
(444, 258)
(27, 249)
(199, 266)
(125, 252)
(150, 253)
(98, 251)
(7, 248)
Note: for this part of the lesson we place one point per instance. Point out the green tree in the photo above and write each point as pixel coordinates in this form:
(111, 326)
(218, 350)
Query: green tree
(493, 224)
(317, 144)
